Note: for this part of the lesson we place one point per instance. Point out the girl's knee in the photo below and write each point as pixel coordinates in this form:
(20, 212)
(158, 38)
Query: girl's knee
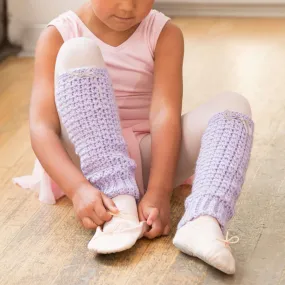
(237, 102)
(77, 53)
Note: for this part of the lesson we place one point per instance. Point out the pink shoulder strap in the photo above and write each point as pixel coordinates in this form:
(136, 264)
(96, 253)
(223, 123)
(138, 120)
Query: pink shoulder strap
(154, 24)
(67, 25)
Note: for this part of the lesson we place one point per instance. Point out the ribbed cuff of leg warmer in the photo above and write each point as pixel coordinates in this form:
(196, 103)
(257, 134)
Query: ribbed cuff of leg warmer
(207, 205)
(119, 186)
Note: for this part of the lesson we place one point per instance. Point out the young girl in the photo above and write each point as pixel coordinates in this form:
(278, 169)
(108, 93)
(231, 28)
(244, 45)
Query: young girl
(106, 126)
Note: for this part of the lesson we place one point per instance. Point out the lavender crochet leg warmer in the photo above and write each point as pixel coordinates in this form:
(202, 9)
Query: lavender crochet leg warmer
(88, 110)
(221, 168)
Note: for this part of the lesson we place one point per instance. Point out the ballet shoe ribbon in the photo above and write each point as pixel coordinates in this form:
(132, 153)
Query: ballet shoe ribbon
(228, 241)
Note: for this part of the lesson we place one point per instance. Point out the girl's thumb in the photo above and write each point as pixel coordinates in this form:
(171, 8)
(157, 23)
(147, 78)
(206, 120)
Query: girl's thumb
(109, 204)
(153, 215)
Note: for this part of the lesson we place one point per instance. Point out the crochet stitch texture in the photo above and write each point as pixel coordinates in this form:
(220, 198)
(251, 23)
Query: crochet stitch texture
(221, 168)
(87, 108)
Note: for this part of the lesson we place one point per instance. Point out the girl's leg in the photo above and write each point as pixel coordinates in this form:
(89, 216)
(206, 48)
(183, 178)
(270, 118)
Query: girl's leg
(91, 133)
(220, 142)
(194, 125)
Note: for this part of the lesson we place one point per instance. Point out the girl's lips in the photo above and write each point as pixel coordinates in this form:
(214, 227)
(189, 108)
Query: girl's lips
(124, 19)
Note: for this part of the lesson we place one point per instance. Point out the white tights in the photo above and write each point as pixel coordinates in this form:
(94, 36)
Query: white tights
(193, 126)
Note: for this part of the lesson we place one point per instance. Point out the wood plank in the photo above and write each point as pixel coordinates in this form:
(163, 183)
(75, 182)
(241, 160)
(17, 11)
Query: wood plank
(27, 245)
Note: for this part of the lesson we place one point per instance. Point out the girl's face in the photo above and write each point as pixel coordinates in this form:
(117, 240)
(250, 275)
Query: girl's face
(121, 15)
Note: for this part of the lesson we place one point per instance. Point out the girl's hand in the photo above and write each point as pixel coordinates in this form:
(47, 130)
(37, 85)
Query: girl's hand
(92, 206)
(156, 212)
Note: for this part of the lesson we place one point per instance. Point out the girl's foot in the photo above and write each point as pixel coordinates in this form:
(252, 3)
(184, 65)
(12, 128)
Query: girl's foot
(122, 231)
(203, 238)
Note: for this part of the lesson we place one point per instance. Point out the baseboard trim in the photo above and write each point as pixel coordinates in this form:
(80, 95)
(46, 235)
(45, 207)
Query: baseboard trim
(27, 35)
(222, 10)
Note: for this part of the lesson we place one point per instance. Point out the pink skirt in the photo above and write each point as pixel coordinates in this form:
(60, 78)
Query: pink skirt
(49, 192)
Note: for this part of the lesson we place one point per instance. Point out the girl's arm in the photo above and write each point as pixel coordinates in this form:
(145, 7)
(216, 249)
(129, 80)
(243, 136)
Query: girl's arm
(165, 121)
(44, 121)
(89, 203)
(165, 114)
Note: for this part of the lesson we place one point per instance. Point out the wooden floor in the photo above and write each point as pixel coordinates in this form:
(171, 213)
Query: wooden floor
(42, 244)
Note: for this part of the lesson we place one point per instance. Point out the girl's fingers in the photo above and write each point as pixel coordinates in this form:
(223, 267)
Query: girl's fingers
(155, 231)
(88, 223)
(102, 213)
(166, 230)
(142, 218)
(153, 215)
(95, 218)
